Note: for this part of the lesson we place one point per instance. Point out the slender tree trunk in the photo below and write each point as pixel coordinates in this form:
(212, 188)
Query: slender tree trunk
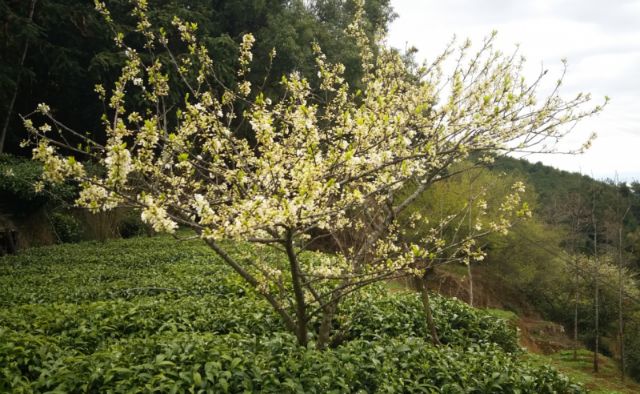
(14, 96)
(596, 296)
(575, 316)
(426, 307)
(620, 315)
(469, 264)
(470, 284)
(301, 306)
(324, 334)
(575, 226)
(576, 287)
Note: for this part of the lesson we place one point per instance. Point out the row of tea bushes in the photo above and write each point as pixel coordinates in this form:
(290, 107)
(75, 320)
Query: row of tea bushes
(189, 362)
(156, 315)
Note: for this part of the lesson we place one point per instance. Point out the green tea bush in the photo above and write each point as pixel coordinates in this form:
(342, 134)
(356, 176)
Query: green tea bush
(234, 363)
(66, 227)
(153, 315)
(375, 314)
(94, 271)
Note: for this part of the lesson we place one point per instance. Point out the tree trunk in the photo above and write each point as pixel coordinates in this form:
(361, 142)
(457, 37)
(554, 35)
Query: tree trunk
(324, 334)
(301, 306)
(288, 320)
(426, 306)
(12, 102)
(575, 317)
(470, 284)
(596, 298)
(469, 263)
(576, 281)
(620, 315)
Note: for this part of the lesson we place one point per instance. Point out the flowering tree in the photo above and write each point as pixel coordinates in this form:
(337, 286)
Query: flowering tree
(322, 162)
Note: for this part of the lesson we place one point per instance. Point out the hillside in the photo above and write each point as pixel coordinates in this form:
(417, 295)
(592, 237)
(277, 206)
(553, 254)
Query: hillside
(574, 261)
(558, 191)
(546, 342)
(154, 314)
(310, 168)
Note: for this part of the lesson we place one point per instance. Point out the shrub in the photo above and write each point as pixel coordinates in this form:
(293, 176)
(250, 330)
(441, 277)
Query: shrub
(17, 179)
(66, 227)
(130, 225)
(233, 363)
(376, 314)
(144, 315)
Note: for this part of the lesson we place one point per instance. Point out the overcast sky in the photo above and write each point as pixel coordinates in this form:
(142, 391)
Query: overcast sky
(600, 40)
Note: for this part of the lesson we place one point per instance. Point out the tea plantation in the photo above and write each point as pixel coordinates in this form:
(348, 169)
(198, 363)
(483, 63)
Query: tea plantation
(158, 315)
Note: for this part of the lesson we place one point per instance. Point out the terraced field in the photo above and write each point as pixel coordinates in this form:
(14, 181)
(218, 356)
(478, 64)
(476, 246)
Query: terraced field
(158, 315)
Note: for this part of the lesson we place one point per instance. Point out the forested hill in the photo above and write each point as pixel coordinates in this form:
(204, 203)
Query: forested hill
(561, 194)
(548, 181)
(582, 239)
(584, 233)
(551, 182)
(55, 51)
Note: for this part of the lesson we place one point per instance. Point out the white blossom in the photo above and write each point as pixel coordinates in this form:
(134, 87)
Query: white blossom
(156, 216)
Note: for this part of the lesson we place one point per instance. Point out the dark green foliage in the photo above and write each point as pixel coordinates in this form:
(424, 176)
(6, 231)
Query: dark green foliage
(376, 314)
(632, 343)
(63, 38)
(150, 314)
(561, 192)
(131, 225)
(16, 185)
(71, 48)
(66, 227)
(17, 193)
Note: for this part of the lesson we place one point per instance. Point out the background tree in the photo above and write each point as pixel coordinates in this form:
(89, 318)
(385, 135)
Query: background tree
(59, 53)
(12, 82)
